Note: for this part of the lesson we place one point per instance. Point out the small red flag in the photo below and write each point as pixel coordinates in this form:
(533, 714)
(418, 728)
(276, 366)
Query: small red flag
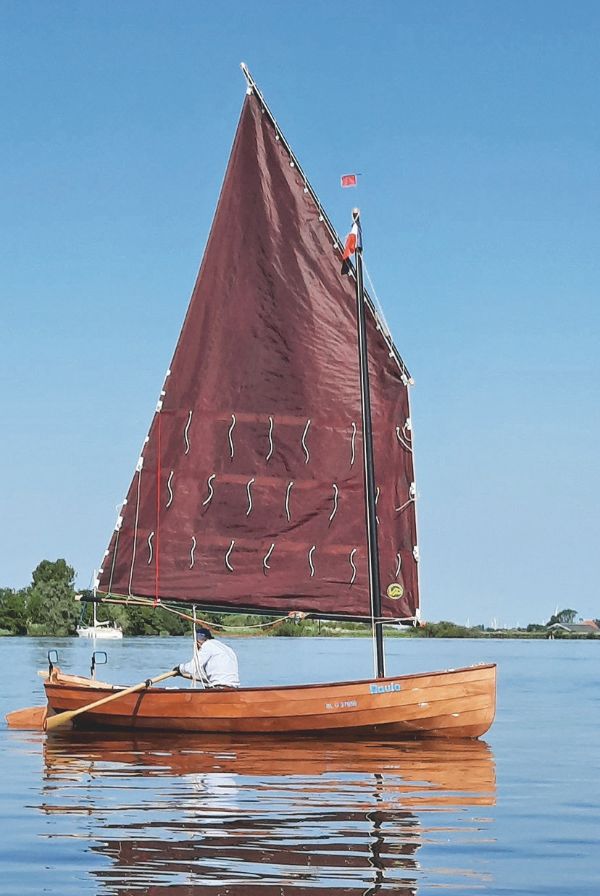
(350, 246)
(353, 241)
(348, 180)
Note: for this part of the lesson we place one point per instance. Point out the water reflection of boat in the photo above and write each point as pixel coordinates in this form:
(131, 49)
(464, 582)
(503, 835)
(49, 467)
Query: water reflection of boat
(454, 767)
(171, 814)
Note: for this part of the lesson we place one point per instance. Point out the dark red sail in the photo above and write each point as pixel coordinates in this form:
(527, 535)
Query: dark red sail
(249, 492)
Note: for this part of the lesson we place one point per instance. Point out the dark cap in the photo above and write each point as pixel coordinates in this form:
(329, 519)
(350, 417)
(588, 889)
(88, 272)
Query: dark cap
(203, 633)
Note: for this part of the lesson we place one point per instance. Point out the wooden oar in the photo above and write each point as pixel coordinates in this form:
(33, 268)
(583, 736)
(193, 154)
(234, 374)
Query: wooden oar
(30, 717)
(62, 717)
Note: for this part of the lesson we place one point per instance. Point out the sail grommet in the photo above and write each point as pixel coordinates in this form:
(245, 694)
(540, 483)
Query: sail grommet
(412, 496)
(249, 493)
(351, 559)
(336, 492)
(287, 499)
(304, 442)
(403, 439)
(186, 432)
(211, 490)
(170, 490)
(266, 558)
(270, 454)
(230, 436)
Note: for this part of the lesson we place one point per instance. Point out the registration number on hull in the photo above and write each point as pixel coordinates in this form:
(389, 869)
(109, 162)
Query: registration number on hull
(342, 704)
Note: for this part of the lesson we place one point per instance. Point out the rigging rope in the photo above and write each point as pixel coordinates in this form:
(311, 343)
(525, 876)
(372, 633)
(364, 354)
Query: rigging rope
(157, 567)
(233, 630)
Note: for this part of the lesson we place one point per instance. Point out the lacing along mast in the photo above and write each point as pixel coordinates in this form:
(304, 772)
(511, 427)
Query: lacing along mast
(369, 467)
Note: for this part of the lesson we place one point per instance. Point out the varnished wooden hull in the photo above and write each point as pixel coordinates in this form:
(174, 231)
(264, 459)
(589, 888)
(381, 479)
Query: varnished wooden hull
(457, 703)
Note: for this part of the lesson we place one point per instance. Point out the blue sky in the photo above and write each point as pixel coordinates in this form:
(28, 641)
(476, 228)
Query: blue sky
(475, 127)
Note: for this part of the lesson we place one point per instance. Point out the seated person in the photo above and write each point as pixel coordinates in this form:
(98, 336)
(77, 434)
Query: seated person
(214, 663)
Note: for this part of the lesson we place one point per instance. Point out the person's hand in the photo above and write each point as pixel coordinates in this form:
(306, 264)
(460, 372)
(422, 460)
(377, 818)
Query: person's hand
(177, 670)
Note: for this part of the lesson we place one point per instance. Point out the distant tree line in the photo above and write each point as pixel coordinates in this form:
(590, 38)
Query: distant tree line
(48, 608)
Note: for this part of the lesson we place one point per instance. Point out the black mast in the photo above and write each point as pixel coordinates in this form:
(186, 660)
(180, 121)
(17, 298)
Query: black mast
(365, 401)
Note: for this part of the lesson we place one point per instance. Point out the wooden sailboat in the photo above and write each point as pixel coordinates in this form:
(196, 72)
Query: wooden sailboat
(277, 476)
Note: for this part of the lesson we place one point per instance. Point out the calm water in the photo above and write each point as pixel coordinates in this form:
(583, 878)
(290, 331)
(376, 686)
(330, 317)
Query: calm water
(90, 813)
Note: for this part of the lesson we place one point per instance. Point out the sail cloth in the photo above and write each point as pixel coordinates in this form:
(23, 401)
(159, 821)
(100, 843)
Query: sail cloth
(249, 492)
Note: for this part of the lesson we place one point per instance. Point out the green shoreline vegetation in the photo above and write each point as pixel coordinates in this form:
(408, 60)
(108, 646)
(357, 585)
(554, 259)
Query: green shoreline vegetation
(48, 608)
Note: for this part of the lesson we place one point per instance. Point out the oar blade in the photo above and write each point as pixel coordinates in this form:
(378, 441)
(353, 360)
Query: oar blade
(59, 719)
(28, 718)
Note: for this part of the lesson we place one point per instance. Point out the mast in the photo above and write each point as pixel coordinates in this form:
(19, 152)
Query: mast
(369, 473)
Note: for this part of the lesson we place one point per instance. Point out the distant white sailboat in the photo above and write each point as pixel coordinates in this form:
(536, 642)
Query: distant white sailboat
(106, 630)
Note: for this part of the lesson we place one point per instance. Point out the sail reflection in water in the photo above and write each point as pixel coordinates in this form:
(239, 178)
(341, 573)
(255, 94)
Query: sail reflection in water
(170, 815)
